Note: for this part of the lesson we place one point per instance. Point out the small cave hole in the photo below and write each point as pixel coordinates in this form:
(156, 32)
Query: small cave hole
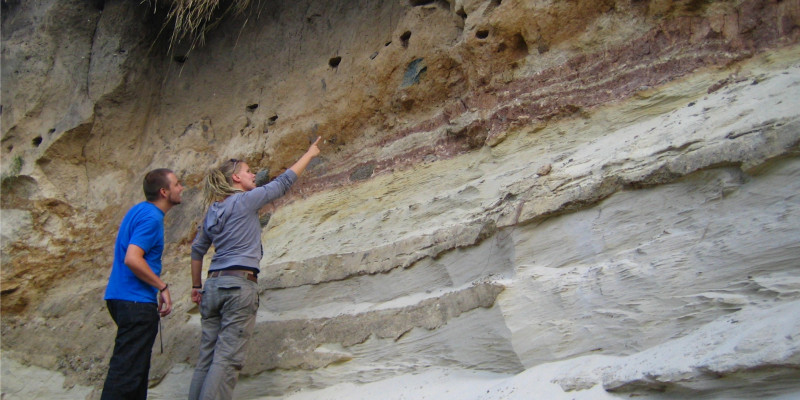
(517, 47)
(180, 59)
(696, 5)
(10, 147)
(252, 107)
(482, 34)
(310, 19)
(461, 13)
(51, 131)
(404, 38)
(37, 141)
(387, 43)
(415, 3)
(272, 119)
(520, 46)
(334, 62)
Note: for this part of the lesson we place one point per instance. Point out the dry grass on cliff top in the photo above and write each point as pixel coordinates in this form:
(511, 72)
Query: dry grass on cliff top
(194, 18)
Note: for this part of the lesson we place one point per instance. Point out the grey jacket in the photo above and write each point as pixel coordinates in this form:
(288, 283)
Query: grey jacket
(233, 228)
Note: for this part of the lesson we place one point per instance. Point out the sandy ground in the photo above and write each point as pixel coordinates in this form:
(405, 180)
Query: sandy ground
(435, 384)
(724, 345)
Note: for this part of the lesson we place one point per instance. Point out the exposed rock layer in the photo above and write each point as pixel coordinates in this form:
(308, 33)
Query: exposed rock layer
(503, 185)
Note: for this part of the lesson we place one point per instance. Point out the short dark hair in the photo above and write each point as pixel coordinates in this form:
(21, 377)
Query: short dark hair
(154, 181)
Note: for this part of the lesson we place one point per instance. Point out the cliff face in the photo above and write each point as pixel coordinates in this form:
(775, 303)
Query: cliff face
(504, 185)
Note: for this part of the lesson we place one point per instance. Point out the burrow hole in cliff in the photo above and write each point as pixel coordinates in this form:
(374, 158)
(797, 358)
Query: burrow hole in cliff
(482, 34)
(404, 38)
(252, 107)
(37, 141)
(180, 59)
(444, 4)
(334, 62)
(698, 5)
(272, 119)
(517, 46)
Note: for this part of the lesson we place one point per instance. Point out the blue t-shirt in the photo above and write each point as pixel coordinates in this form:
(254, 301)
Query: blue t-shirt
(143, 226)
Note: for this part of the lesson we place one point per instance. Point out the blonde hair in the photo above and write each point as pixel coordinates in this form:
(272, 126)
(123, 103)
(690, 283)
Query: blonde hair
(218, 184)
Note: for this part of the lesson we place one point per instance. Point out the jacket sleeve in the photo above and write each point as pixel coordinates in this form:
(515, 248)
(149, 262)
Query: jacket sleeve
(200, 244)
(260, 196)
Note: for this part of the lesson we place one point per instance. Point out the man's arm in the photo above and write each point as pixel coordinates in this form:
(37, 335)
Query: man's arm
(134, 259)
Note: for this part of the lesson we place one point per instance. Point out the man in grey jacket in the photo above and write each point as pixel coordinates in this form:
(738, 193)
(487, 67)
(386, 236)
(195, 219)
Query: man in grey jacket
(229, 299)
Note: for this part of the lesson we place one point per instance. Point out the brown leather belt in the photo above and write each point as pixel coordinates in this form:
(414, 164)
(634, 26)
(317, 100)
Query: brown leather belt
(249, 275)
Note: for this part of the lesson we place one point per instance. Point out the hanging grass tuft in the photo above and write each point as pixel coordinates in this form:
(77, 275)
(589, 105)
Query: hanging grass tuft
(192, 19)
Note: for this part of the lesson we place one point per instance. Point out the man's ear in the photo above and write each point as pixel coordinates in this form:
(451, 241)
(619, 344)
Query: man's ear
(163, 192)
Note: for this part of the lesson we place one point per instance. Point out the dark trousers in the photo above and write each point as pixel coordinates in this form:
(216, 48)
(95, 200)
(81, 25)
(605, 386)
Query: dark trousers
(128, 370)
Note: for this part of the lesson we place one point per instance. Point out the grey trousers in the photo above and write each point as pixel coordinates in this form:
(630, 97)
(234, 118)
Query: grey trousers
(228, 309)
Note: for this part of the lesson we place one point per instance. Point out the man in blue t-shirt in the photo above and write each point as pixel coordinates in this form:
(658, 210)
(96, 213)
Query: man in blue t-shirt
(136, 296)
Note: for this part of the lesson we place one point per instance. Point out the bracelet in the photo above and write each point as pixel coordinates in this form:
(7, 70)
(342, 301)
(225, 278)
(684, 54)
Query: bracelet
(166, 286)
(197, 287)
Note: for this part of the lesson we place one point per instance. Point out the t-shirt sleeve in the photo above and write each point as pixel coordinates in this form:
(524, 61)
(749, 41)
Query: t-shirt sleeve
(145, 234)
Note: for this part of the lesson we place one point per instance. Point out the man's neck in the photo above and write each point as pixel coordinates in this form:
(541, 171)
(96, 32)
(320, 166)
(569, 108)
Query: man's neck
(163, 204)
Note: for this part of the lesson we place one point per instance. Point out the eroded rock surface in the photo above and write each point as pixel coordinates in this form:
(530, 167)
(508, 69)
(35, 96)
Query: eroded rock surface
(504, 187)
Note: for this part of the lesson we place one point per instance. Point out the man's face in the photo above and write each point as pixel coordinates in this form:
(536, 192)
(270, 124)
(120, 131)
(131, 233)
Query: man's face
(173, 194)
